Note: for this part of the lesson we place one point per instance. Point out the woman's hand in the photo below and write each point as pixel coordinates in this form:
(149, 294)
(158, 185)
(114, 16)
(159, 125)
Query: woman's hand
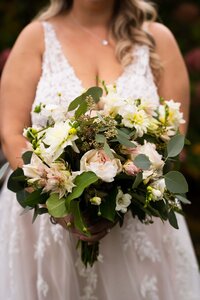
(98, 230)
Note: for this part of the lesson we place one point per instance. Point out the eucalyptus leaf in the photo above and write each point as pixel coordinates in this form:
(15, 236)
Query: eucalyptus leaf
(56, 206)
(100, 138)
(3, 170)
(81, 110)
(183, 199)
(108, 150)
(81, 182)
(142, 161)
(95, 92)
(75, 103)
(125, 141)
(175, 145)
(176, 182)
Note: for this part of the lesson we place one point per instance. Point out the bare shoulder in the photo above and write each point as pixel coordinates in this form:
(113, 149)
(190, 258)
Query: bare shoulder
(165, 41)
(31, 38)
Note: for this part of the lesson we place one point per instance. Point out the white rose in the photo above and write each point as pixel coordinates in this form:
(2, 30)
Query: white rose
(155, 158)
(122, 201)
(101, 164)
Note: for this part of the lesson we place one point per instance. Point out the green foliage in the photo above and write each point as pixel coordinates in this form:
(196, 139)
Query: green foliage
(175, 182)
(175, 145)
(16, 181)
(142, 161)
(108, 206)
(56, 206)
(81, 182)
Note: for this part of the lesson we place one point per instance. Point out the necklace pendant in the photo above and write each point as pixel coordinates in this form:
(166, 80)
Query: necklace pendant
(104, 42)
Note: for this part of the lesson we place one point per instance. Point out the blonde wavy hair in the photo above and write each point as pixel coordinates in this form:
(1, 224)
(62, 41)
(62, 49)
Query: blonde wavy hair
(127, 27)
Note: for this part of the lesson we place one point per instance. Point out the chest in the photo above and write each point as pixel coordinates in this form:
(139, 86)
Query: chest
(60, 77)
(90, 59)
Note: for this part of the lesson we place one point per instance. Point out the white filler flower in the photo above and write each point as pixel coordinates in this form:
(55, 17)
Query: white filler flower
(122, 201)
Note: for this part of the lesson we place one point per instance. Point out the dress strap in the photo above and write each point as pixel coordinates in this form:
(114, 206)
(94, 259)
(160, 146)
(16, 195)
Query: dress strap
(52, 54)
(141, 59)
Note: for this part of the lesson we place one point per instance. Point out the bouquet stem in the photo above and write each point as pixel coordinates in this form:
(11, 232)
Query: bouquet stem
(89, 252)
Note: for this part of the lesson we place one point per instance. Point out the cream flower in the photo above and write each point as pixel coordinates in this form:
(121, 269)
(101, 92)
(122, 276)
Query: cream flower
(155, 158)
(132, 117)
(170, 115)
(122, 201)
(101, 164)
(36, 169)
(157, 189)
(57, 138)
(95, 200)
(112, 102)
(59, 179)
(148, 106)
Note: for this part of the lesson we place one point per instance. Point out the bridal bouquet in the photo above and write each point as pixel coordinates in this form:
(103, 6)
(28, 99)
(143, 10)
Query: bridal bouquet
(104, 163)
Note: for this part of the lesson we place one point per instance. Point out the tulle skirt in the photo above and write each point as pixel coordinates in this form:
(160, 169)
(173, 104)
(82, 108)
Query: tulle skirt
(39, 261)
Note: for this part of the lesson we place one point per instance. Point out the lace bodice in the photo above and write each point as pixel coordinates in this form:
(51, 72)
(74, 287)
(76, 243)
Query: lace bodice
(58, 77)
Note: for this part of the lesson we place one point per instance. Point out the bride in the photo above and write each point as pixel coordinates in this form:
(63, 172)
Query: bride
(69, 45)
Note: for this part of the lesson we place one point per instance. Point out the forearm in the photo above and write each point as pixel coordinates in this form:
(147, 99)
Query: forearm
(13, 148)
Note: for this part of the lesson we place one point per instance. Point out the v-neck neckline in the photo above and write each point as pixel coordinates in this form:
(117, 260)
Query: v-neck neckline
(72, 69)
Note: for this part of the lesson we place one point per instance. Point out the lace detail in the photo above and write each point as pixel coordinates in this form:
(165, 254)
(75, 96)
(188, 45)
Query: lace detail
(42, 287)
(149, 289)
(57, 233)
(43, 239)
(185, 264)
(134, 234)
(90, 277)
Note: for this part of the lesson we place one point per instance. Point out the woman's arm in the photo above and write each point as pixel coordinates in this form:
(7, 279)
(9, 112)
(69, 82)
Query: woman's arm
(18, 86)
(174, 82)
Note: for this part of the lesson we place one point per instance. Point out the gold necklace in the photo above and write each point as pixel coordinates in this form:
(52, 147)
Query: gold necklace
(104, 42)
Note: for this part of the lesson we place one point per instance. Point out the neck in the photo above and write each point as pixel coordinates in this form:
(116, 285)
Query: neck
(93, 13)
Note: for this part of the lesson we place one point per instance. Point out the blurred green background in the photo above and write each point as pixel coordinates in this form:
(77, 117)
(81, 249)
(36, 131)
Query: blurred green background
(183, 18)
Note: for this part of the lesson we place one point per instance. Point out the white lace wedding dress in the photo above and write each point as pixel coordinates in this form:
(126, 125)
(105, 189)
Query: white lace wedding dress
(39, 261)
